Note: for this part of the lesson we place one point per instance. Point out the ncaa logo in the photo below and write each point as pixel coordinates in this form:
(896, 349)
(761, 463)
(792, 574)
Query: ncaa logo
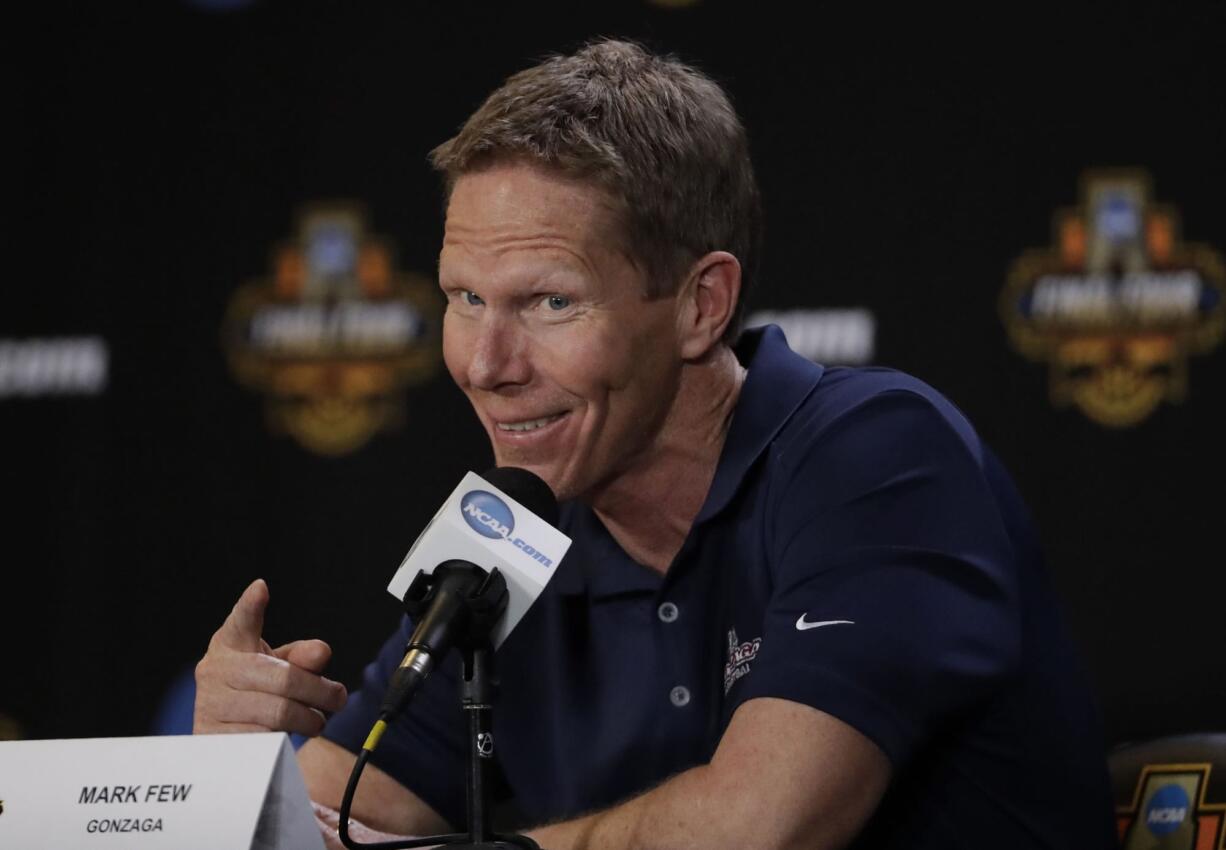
(1167, 810)
(487, 514)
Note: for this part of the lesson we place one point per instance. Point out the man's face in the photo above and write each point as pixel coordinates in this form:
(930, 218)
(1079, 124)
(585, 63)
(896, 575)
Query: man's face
(548, 332)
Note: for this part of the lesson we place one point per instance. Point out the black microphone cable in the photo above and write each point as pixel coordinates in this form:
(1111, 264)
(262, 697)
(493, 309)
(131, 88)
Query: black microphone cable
(372, 741)
(458, 603)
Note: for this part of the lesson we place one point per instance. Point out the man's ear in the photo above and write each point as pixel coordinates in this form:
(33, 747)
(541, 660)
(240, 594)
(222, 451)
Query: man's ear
(708, 302)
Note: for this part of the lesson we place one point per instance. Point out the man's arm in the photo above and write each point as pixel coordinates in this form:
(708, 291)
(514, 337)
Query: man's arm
(784, 776)
(380, 800)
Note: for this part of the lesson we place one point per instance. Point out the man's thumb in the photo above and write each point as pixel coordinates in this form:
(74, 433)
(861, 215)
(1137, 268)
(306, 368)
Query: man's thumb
(242, 629)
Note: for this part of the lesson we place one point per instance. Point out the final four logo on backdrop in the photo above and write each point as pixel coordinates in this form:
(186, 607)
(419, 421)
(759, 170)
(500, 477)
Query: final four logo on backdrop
(334, 337)
(1119, 303)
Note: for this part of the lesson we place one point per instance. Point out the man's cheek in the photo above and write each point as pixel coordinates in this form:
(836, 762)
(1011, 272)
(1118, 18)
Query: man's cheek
(453, 356)
(579, 341)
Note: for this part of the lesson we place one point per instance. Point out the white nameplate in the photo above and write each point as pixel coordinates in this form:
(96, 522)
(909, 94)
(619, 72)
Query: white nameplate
(483, 525)
(173, 792)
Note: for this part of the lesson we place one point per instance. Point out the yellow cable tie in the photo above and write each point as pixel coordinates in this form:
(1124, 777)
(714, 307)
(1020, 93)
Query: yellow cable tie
(376, 732)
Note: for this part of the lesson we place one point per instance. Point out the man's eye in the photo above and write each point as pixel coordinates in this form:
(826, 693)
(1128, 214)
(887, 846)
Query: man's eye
(471, 297)
(558, 302)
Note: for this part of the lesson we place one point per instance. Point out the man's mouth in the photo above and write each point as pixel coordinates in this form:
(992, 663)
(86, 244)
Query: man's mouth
(530, 424)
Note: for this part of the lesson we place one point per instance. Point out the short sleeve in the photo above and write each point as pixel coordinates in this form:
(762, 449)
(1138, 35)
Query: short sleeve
(894, 592)
(423, 749)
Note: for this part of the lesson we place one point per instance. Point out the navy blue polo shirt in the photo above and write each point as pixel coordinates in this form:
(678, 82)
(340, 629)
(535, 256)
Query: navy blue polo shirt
(860, 551)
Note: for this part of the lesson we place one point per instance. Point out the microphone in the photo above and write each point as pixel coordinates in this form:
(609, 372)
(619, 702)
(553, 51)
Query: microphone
(475, 570)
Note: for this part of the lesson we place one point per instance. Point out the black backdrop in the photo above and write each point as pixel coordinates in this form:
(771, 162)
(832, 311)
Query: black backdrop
(163, 149)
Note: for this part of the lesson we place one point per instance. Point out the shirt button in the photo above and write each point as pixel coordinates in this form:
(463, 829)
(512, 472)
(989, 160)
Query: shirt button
(679, 696)
(668, 612)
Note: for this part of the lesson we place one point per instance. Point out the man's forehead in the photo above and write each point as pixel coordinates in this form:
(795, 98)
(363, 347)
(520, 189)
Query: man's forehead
(519, 192)
(521, 213)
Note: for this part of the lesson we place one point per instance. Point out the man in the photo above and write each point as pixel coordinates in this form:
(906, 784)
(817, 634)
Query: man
(803, 607)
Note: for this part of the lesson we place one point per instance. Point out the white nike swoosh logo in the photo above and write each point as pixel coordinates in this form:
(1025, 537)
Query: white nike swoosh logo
(802, 624)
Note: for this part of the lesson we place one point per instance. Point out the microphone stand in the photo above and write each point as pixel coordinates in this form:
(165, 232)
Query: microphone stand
(480, 598)
(478, 688)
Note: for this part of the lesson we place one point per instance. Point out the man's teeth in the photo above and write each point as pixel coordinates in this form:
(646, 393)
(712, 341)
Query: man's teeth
(529, 425)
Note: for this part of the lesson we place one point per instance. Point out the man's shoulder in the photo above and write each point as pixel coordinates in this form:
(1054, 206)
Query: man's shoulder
(877, 401)
(803, 417)
(844, 387)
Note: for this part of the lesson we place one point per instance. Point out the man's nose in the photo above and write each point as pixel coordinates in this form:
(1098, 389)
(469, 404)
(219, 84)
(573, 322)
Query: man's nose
(500, 354)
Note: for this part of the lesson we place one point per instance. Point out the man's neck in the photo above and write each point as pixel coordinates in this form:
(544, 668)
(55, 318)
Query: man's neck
(650, 508)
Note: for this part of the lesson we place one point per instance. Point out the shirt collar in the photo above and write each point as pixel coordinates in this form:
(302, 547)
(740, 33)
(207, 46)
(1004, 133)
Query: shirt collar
(778, 380)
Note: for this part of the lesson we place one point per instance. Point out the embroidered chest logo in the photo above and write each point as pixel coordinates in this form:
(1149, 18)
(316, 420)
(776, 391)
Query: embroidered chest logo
(739, 656)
